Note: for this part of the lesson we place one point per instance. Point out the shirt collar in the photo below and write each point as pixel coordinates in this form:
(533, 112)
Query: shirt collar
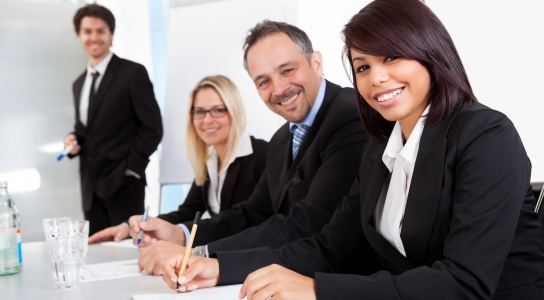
(101, 66)
(408, 151)
(309, 120)
(244, 149)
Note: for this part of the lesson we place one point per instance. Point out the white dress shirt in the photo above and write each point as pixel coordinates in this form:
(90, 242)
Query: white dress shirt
(86, 90)
(400, 160)
(217, 180)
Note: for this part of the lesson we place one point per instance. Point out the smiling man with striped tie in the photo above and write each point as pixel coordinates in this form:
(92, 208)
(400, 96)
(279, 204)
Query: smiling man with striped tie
(311, 160)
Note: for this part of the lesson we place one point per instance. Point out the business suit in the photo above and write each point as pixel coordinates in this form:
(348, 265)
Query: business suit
(469, 229)
(295, 199)
(123, 129)
(242, 176)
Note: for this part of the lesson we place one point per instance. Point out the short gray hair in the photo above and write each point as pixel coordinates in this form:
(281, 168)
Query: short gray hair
(267, 27)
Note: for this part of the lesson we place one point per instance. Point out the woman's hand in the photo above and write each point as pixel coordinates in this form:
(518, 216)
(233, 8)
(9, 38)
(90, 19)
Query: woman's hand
(114, 233)
(155, 230)
(153, 256)
(277, 282)
(200, 272)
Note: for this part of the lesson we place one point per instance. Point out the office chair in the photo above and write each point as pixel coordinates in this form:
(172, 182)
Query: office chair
(538, 190)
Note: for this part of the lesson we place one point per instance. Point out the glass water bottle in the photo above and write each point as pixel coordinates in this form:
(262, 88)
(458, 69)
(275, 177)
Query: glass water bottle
(11, 260)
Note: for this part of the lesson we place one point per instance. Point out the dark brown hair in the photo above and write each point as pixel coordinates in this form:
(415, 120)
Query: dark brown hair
(267, 27)
(95, 11)
(408, 29)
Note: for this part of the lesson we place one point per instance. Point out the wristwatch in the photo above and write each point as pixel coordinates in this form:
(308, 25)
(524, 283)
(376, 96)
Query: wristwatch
(199, 251)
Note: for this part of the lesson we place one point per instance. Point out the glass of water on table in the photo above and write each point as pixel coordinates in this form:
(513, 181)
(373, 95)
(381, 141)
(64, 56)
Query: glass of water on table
(67, 246)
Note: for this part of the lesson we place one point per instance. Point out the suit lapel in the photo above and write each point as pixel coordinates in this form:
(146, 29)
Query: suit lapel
(290, 166)
(374, 173)
(205, 188)
(78, 85)
(228, 185)
(425, 188)
(105, 84)
(285, 164)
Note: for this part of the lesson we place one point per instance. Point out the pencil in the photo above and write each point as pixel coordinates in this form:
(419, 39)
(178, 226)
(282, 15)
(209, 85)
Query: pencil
(189, 246)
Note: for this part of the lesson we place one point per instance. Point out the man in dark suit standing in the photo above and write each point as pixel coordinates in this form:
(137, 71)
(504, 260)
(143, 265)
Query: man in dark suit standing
(118, 124)
(311, 160)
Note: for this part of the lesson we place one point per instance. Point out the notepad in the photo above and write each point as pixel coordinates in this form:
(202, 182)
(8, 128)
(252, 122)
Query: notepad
(111, 270)
(227, 292)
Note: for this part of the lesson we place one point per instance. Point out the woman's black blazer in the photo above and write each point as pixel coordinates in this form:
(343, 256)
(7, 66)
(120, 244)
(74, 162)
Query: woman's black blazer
(469, 230)
(242, 176)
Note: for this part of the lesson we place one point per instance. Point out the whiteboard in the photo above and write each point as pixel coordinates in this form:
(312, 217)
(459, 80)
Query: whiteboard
(204, 40)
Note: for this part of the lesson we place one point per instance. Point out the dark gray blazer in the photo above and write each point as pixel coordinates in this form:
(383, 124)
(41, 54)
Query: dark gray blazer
(295, 199)
(469, 229)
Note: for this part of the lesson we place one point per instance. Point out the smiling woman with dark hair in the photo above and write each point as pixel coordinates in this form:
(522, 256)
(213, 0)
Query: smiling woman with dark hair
(441, 207)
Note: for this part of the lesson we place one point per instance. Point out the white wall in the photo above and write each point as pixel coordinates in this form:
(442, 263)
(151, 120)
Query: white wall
(40, 57)
(322, 20)
(500, 43)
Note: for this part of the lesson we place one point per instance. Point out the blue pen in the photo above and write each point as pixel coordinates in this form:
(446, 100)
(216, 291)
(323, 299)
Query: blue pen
(65, 152)
(144, 219)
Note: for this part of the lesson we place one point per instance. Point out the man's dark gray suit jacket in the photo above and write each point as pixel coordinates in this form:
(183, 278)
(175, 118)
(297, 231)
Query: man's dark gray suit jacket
(294, 199)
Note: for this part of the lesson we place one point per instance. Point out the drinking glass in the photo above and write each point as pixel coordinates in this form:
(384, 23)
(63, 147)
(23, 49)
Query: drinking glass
(67, 249)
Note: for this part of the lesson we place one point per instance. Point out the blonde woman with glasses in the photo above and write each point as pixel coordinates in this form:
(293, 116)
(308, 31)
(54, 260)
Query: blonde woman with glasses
(226, 160)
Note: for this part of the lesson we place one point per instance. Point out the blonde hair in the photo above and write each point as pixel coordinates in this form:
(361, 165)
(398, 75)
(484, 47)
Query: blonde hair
(197, 150)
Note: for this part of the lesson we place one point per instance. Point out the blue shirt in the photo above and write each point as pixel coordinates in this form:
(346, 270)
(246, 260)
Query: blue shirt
(309, 121)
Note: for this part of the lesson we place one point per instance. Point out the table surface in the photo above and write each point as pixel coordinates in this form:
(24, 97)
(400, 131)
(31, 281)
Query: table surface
(36, 280)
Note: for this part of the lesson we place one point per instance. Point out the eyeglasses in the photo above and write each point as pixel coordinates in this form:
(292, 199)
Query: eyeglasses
(215, 112)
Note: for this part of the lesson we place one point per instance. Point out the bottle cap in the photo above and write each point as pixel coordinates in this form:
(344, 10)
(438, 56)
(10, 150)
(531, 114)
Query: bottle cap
(3, 184)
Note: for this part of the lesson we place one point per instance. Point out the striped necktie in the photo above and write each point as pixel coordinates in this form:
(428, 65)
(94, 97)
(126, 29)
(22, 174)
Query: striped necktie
(298, 137)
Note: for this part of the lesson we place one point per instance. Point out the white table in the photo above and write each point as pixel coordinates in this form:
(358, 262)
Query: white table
(36, 280)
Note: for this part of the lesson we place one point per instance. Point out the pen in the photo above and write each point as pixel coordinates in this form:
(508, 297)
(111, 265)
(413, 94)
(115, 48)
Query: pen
(189, 246)
(65, 152)
(144, 219)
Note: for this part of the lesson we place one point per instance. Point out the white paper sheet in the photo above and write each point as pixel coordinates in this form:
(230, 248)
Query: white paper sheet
(228, 292)
(124, 244)
(111, 270)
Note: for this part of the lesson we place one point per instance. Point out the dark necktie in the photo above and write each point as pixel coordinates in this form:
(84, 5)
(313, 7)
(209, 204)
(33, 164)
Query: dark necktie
(92, 94)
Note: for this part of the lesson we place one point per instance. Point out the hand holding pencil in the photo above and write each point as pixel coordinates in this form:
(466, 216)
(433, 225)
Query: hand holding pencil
(202, 272)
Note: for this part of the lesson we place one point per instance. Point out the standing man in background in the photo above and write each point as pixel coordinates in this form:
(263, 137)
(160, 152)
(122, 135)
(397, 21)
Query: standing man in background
(118, 124)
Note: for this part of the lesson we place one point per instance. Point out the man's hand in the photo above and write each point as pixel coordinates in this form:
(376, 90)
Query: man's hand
(72, 140)
(115, 233)
(155, 230)
(277, 282)
(200, 272)
(152, 257)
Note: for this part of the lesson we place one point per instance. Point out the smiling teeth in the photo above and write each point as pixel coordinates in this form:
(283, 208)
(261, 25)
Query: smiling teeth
(289, 101)
(210, 130)
(389, 95)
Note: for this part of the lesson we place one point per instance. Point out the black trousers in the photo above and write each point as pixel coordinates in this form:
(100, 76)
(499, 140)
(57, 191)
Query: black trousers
(127, 201)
